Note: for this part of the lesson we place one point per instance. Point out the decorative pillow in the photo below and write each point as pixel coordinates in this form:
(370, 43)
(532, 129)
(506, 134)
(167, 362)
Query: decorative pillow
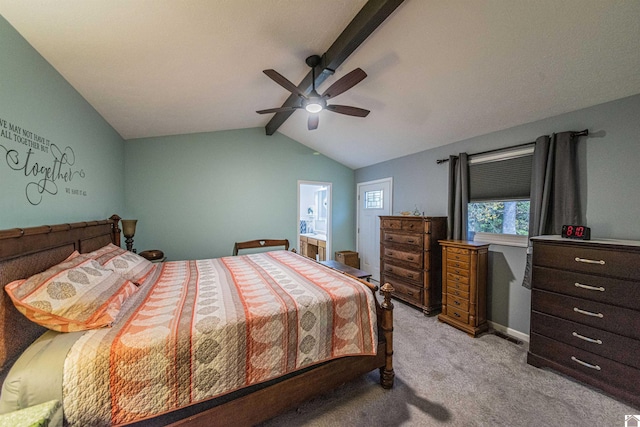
(129, 265)
(34, 416)
(75, 295)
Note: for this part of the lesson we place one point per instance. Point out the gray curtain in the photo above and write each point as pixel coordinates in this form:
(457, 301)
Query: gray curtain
(554, 189)
(458, 197)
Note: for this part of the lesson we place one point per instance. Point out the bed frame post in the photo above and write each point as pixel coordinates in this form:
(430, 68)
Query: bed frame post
(386, 373)
(115, 230)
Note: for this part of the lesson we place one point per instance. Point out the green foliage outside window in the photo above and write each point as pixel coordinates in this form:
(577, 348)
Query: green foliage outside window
(506, 217)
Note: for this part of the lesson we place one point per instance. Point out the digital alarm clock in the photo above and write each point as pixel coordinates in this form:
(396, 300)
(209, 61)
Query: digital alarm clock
(576, 232)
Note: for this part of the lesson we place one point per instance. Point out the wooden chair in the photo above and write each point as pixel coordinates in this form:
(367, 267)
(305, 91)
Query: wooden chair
(264, 243)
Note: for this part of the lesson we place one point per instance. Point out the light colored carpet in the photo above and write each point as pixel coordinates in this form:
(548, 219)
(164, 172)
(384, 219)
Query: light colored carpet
(446, 378)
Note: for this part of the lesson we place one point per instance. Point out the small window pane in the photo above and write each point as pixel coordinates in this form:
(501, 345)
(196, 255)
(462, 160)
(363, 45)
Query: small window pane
(373, 199)
(501, 217)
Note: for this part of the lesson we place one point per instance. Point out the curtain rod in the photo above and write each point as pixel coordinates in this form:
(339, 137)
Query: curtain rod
(581, 133)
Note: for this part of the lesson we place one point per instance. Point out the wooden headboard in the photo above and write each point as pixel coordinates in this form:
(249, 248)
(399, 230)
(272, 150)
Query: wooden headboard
(27, 251)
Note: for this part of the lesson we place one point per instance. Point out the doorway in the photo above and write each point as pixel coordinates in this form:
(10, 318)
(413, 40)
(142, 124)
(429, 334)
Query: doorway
(374, 200)
(314, 219)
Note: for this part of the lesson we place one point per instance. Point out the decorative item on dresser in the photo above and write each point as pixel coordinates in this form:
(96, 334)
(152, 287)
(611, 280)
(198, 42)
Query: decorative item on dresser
(464, 285)
(585, 312)
(410, 259)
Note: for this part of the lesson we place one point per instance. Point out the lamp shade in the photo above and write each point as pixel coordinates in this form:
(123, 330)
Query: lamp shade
(129, 227)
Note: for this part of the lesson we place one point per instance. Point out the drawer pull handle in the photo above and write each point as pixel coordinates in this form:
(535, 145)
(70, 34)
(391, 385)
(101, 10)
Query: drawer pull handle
(591, 288)
(582, 337)
(410, 293)
(410, 276)
(588, 365)
(590, 261)
(588, 313)
(456, 314)
(456, 302)
(410, 241)
(410, 258)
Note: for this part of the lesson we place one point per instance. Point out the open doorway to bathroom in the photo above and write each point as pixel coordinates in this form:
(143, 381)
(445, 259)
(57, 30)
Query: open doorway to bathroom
(314, 219)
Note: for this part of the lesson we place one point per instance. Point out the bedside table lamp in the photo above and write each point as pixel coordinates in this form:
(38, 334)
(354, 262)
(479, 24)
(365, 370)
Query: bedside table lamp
(129, 230)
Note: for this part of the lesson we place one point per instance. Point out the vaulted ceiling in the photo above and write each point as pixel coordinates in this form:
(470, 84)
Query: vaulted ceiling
(438, 71)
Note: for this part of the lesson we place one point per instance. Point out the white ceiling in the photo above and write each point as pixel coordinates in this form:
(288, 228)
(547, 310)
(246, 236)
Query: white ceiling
(438, 71)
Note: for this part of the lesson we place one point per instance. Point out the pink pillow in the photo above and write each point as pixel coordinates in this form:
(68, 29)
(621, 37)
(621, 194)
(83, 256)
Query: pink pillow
(75, 295)
(129, 265)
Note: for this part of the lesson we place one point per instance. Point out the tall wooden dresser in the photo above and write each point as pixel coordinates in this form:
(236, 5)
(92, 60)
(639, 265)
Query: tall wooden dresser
(410, 259)
(585, 312)
(464, 285)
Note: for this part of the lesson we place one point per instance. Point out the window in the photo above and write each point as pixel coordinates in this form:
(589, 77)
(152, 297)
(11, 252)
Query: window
(499, 186)
(373, 199)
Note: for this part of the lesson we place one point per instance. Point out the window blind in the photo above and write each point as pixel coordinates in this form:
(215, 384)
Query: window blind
(502, 179)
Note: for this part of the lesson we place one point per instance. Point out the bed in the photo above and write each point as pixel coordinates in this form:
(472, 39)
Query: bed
(29, 251)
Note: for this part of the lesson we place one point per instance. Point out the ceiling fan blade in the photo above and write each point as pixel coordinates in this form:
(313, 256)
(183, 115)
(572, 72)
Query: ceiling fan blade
(349, 111)
(282, 81)
(345, 83)
(277, 110)
(312, 123)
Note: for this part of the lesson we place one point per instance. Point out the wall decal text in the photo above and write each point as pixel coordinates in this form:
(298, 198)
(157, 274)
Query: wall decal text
(41, 161)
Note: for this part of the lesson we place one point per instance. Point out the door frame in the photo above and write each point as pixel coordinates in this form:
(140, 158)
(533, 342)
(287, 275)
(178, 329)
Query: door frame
(359, 205)
(329, 186)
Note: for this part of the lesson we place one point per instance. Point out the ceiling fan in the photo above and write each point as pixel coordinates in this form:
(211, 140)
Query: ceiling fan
(313, 102)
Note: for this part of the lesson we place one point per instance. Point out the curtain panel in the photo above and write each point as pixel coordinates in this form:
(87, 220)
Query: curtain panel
(554, 189)
(458, 197)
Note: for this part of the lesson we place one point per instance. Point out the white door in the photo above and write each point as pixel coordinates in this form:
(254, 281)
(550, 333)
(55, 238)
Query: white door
(374, 199)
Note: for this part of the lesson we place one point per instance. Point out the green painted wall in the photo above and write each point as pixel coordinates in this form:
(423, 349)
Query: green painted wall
(195, 195)
(609, 175)
(59, 160)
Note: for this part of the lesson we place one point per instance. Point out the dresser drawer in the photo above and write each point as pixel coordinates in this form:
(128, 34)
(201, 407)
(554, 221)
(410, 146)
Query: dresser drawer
(407, 224)
(457, 302)
(404, 273)
(458, 267)
(624, 293)
(459, 315)
(403, 239)
(596, 367)
(618, 320)
(458, 292)
(455, 254)
(590, 260)
(456, 278)
(403, 290)
(413, 258)
(612, 346)
(452, 284)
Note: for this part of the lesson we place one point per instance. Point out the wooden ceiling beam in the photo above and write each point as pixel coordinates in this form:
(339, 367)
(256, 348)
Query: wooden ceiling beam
(372, 14)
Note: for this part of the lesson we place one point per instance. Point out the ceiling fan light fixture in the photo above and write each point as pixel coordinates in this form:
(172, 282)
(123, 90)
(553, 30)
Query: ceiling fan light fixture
(313, 107)
(314, 103)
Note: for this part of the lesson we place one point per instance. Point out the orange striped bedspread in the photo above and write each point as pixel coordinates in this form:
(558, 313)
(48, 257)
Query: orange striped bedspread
(204, 328)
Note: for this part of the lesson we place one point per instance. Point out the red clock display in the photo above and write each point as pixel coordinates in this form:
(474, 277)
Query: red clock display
(576, 232)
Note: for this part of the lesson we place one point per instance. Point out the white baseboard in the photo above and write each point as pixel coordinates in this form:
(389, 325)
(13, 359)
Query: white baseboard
(508, 331)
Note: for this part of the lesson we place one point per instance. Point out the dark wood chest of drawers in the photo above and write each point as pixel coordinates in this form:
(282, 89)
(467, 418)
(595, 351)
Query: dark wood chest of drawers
(585, 312)
(410, 259)
(464, 285)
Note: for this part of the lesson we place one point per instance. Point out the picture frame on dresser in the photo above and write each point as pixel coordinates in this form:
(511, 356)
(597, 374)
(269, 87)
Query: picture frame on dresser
(585, 312)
